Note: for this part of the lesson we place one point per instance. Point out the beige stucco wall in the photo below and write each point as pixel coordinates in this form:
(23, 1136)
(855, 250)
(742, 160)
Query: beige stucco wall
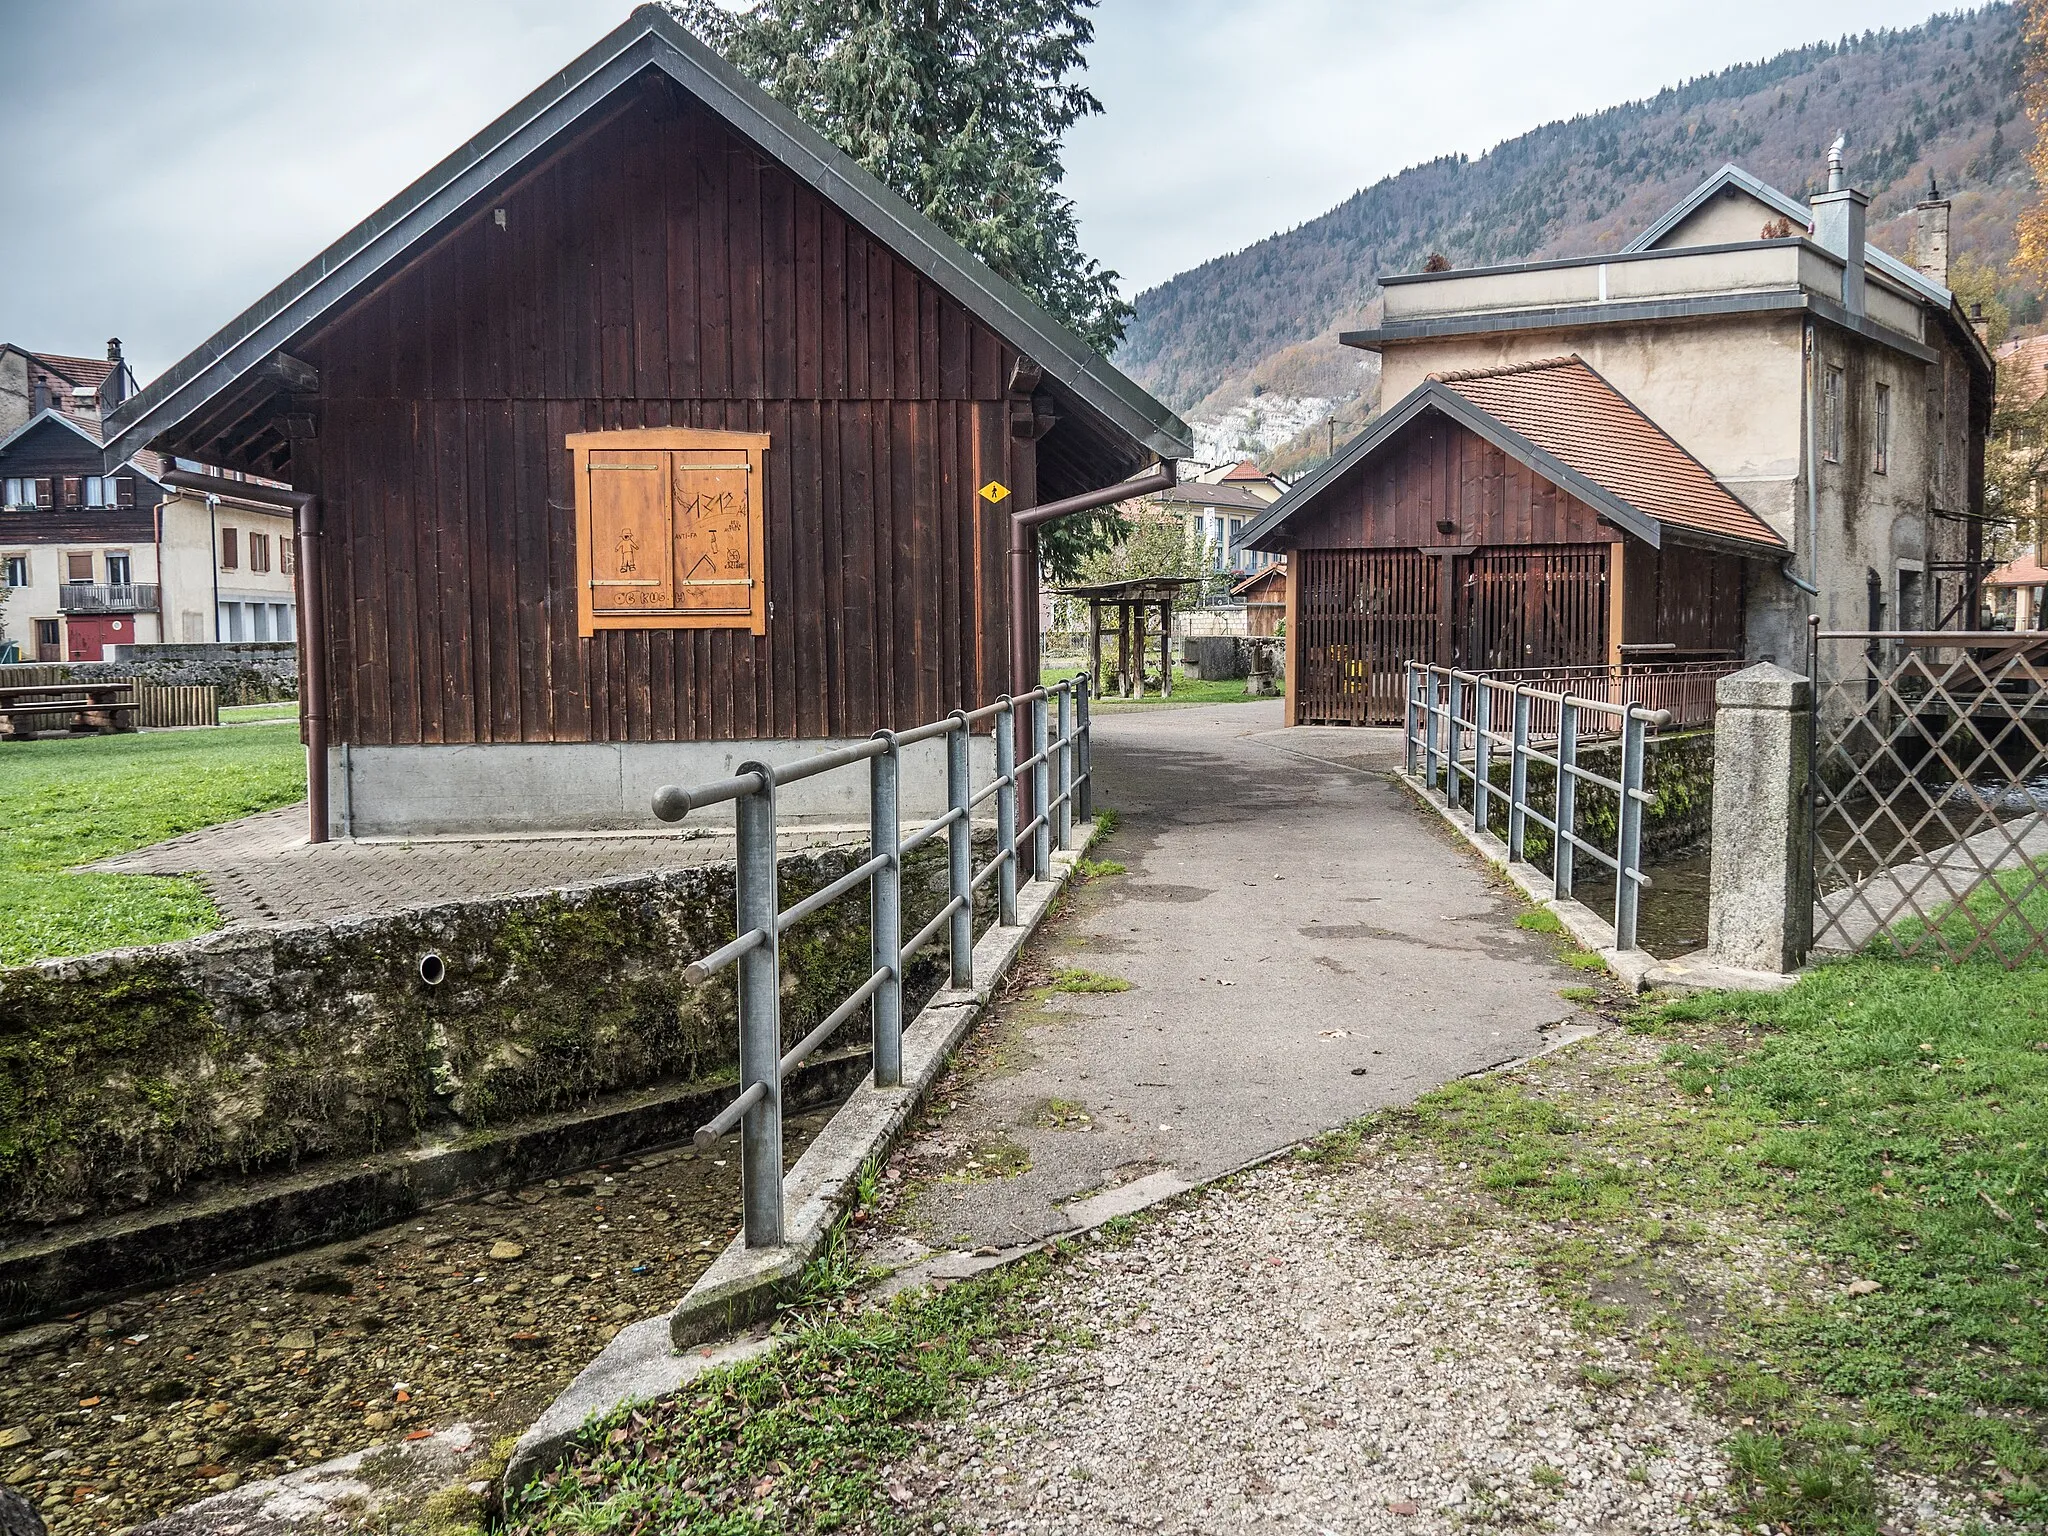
(1727, 388)
(14, 396)
(192, 561)
(47, 568)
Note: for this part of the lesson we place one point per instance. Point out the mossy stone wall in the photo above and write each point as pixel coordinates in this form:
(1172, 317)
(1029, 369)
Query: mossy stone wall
(130, 1076)
(1678, 768)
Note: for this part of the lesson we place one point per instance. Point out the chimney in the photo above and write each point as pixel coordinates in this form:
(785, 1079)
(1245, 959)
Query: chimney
(116, 387)
(1930, 233)
(42, 393)
(1979, 324)
(1838, 219)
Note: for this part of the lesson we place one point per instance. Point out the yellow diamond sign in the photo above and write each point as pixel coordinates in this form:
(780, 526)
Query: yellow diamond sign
(994, 492)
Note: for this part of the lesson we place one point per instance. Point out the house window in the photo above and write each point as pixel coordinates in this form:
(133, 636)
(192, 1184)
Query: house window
(95, 491)
(669, 530)
(1831, 417)
(15, 569)
(19, 492)
(117, 568)
(228, 550)
(287, 556)
(259, 551)
(1881, 432)
(78, 570)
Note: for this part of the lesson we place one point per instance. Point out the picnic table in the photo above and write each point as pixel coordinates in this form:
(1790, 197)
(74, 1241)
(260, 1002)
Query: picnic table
(98, 707)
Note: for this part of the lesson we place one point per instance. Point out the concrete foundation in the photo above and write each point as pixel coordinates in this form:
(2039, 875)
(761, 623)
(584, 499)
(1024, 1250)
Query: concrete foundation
(431, 791)
(1760, 897)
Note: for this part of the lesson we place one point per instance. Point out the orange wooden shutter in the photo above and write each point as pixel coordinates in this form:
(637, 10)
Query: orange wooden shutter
(628, 566)
(670, 529)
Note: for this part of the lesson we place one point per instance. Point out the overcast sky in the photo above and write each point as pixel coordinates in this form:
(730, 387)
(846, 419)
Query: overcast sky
(165, 163)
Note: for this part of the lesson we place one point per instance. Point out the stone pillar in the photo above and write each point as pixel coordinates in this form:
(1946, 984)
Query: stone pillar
(1760, 892)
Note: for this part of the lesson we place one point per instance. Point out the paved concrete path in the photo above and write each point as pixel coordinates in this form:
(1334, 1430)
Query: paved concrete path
(261, 869)
(1301, 943)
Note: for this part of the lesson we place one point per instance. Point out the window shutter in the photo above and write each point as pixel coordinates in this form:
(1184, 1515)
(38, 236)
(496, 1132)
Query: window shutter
(73, 494)
(669, 529)
(228, 560)
(124, 491)
(631, 529)
(46, 492)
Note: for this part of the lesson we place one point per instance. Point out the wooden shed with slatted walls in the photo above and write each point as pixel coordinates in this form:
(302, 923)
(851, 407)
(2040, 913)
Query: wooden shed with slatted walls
(1521, 517)
(644, 435)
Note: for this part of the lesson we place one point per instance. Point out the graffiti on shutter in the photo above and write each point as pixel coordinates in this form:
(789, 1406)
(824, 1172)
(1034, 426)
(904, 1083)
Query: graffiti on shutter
(669, 529)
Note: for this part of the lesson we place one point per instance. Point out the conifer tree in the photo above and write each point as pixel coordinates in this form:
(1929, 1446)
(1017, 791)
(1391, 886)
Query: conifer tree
(960, 106)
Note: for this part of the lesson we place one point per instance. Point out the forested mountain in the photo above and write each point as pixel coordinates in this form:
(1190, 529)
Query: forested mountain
(1942, 96)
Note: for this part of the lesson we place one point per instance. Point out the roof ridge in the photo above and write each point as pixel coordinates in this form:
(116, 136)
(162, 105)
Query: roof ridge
(1458, 376)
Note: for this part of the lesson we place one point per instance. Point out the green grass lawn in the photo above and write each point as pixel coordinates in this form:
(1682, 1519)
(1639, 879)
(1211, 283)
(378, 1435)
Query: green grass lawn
(241, 714)
(1887, 1118)
(67, 802)
(1186, 690)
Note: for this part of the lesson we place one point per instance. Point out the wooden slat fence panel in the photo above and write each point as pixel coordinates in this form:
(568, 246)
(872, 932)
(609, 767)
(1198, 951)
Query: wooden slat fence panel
(1363, 613)
(162, 705)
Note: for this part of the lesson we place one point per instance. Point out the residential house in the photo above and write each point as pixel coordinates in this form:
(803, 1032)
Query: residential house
(2014, 593)
(1680, 449)
(97, 555)
(645, 435)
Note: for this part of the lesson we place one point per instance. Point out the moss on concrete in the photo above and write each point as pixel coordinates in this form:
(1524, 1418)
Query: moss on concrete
(129, 1076)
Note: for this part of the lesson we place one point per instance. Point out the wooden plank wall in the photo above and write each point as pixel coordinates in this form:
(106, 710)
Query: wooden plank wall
(658, 271)
(1438, 470)
(1690, 598)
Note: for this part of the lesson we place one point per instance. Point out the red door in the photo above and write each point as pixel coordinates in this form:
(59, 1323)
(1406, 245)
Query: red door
(87, 639)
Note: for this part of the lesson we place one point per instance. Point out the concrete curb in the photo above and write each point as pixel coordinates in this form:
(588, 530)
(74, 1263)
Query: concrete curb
(744, 1284)
(1587, 928)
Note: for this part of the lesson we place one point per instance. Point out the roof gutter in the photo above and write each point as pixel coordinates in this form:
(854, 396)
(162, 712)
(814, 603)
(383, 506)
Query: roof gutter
(312, 625)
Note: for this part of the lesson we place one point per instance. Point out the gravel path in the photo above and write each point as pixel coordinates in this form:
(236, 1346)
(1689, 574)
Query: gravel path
(1323, 1351)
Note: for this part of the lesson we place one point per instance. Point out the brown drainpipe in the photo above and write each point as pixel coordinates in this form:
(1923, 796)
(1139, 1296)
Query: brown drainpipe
(312, 622)
(1024, 525)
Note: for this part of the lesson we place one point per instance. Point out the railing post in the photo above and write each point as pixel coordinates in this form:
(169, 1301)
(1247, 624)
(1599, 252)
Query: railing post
(960, 844)
(1006, 813)
(1482, 756)
(1411, 728)
(1430, 688)
(1518, 777)
(1456, 686)
(760, 1000)
(1628, 851)
(1063, 782)
(1567, 797)
(1084, 748)
(885, 914)
(1041, 795)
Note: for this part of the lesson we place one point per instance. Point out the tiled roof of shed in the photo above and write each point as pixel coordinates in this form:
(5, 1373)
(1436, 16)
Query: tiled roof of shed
(1563, 407)
(89, 371)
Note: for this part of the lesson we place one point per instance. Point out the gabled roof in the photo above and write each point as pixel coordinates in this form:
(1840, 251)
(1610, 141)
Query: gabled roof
(2023, 572)
(1239, 588)
(1195, 493)
(1568, 424)
(1244, 469)
(89, 371)
(148, 465)
(1790, 207)
(649, 37)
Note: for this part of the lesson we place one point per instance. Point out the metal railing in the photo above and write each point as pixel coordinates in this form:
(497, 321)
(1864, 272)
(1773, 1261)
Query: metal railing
(99, 597)
(1684, 688)
(1447, 747)
(1058, 778)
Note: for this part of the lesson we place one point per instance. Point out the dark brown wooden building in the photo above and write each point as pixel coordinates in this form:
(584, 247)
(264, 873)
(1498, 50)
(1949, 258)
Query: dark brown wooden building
(646, 421)
(1504, 519)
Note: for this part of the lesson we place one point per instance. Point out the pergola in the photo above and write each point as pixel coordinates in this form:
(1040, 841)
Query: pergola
(1133, 601)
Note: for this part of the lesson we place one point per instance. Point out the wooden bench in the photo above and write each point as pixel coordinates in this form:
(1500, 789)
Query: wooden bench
(91, 708)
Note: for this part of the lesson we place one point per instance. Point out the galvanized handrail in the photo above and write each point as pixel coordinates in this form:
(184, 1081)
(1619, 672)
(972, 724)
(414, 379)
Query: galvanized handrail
(1437, 734)
(1058, 778)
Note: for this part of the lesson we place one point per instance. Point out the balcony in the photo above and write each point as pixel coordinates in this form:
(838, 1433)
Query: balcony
(90, 597)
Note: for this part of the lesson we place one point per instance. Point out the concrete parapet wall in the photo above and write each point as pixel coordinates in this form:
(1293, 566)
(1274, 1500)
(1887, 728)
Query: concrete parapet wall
(430, 791)
(131, 1077)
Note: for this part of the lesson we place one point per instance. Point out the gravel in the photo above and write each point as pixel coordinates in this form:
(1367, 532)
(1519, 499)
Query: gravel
(1316, 1351)
(476, 1313)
